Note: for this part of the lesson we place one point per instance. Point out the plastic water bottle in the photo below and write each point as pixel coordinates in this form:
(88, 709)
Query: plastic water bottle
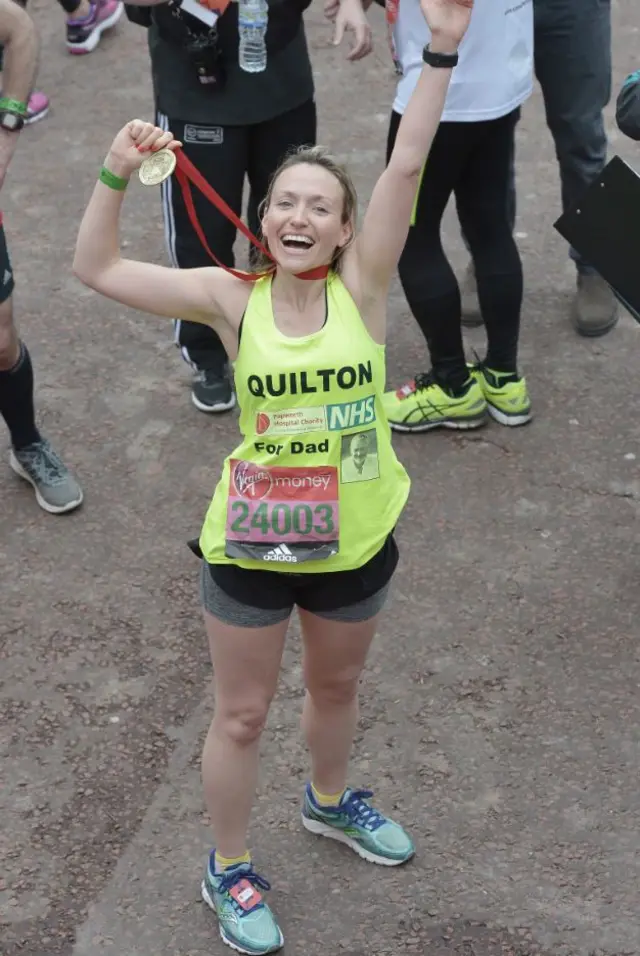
(253, 16)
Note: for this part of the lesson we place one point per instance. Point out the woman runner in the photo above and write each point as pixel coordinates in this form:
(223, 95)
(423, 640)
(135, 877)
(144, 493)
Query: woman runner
(304, 513)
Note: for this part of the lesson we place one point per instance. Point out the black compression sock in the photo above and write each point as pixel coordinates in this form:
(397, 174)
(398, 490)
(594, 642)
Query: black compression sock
(16, 401)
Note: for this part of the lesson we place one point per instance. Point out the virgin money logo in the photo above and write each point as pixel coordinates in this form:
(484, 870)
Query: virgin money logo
(251, 481)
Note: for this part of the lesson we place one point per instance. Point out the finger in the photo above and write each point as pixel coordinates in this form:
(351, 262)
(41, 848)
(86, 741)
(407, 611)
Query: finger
(135, 128)
(358, 43)
(144, 128)
(331, 8)
(339, 34)
(364, 44)
(142, 135)
(162, 141)
(150, 137)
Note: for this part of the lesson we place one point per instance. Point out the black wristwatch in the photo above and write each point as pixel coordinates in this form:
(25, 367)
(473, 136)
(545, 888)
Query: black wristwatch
(10, 121)
(443, 60)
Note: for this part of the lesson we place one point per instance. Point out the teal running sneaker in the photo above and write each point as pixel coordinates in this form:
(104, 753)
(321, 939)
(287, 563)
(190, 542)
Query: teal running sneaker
(246, 922)
(373, 836)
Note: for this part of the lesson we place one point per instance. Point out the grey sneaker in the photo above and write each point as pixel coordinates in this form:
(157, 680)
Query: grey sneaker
(595, 308)
(212, 390)
(56, 489)
(471, 316)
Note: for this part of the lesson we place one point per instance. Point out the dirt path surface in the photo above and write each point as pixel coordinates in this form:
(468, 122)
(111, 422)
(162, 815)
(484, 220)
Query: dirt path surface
(500, 708)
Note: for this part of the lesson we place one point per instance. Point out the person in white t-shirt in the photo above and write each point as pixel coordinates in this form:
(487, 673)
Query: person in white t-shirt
(471, 158)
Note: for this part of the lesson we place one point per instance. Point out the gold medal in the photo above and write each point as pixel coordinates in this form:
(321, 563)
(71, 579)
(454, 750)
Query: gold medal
(157, 167)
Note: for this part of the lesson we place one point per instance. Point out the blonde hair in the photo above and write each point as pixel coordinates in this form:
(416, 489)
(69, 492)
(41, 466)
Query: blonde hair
(313, 156)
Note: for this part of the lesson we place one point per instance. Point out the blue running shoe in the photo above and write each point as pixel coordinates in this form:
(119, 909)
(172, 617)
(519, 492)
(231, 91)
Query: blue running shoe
(246, 922)
(373, 836)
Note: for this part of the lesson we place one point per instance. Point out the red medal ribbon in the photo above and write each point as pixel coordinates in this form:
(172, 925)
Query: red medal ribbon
(186, 173)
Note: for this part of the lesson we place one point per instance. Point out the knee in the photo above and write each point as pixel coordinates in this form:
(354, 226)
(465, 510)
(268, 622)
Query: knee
(9, 343)
(489, 235)
(7, 348)
(337, 691)
(580, 138)
(242, 723)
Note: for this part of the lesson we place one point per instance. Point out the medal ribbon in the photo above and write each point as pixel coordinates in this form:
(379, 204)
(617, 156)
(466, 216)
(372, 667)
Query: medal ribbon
(186, 173)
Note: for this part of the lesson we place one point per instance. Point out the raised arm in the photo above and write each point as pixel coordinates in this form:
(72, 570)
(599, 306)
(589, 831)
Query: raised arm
(175, 293)
(386, 223)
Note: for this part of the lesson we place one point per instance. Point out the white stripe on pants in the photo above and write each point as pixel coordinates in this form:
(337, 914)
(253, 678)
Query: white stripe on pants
(166, 193)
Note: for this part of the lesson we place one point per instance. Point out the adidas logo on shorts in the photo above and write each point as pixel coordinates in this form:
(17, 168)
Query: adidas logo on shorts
(281, 553)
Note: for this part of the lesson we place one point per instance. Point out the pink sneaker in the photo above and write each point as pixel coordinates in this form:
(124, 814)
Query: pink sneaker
(37, 107)
(84, 35)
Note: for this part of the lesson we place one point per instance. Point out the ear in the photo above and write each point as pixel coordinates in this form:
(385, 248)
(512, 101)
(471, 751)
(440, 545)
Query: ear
(348, 235)
(263, 217)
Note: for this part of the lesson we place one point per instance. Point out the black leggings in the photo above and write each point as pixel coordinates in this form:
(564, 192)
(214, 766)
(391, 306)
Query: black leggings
(472, 161)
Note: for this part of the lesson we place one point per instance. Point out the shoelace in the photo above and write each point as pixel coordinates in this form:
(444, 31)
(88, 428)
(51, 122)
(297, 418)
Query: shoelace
(359, 811)
(229, 879)
(42, 463)
(424, 380)
(211, 376)
(494, 377)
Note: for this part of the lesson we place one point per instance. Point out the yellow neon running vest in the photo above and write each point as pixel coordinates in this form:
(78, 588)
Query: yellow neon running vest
(315, 484)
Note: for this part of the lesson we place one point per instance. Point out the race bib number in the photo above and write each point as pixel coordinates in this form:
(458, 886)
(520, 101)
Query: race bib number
(282, 515)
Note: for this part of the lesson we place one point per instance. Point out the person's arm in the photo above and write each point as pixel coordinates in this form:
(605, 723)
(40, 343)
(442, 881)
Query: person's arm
(386, 223)
(628, 107)
(19, 38)
(160, 290)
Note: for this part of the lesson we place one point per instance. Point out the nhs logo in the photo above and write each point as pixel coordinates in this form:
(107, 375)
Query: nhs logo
(351, 414)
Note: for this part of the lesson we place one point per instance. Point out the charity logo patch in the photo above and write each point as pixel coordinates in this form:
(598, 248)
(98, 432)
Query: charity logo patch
(292, 421)
(351, 414)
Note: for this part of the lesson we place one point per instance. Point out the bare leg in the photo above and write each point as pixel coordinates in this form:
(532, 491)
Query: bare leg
(9, 342)
(334, 657)
(246, 665)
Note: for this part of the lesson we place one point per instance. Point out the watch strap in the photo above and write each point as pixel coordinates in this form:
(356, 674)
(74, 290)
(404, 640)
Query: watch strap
(440, 60)
(7, 105)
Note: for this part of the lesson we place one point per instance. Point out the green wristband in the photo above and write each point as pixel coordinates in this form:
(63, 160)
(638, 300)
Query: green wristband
(13, 106)
(112, 181)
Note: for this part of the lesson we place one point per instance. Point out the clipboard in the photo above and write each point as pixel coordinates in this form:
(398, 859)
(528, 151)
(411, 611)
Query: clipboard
(604, 227)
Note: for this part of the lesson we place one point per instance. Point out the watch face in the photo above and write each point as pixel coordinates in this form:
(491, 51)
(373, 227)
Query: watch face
(10, 121)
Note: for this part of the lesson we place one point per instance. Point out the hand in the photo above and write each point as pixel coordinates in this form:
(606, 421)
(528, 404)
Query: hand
(448, 21)
(331, 7)
(351, 16)
(135, 141)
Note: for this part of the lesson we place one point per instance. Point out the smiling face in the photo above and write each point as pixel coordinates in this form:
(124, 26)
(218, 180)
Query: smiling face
(359, 450)
(306, 221)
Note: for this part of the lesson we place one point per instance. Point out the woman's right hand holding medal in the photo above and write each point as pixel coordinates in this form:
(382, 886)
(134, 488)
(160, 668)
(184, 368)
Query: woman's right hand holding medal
(136, 142)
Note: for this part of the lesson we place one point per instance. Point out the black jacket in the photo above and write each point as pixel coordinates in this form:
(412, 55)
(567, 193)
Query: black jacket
(281, 29)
